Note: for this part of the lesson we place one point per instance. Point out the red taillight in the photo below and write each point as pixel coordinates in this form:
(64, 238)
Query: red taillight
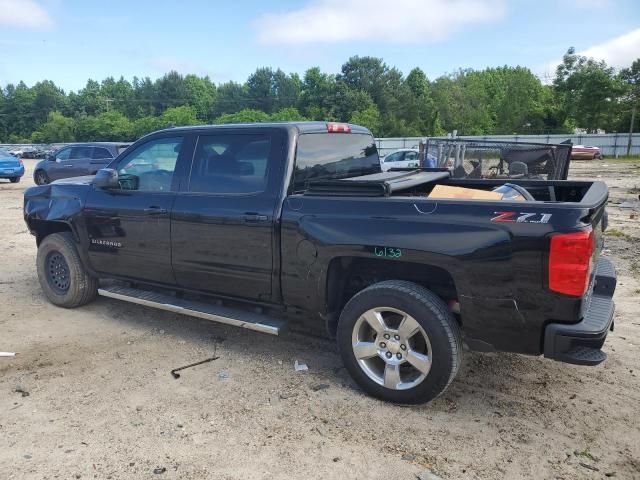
(570, 259)
(333, 127)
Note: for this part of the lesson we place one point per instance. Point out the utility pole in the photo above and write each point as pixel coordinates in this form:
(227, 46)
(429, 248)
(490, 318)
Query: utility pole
(633, 119)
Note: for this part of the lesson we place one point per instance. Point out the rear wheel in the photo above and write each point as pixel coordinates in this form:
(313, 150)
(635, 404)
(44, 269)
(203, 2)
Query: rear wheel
(14, 179)
(40, 177)
(400, 342)
(62, 276)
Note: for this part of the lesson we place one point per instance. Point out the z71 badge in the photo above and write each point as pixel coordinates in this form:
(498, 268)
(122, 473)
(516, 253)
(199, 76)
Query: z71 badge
(521, 217)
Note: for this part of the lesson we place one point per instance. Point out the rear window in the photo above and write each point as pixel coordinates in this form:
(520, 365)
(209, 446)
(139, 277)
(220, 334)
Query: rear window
(332, 156)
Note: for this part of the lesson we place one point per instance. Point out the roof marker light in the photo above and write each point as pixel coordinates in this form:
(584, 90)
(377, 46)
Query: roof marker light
(333, 127)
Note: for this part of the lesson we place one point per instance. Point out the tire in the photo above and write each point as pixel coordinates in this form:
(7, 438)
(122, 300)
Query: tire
(62, 276)
(40, 177)
(424, 312)
(14, 179)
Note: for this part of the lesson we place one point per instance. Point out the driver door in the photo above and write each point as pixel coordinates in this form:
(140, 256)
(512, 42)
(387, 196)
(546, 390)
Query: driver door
(129, 227)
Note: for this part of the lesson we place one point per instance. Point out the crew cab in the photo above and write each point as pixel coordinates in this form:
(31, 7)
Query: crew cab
(265, 226)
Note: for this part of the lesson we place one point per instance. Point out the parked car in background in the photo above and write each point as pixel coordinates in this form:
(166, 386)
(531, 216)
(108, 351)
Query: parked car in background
(585, 152)
(11, 168)
(76, 160)
(406, 158)
(33, 152)
(16, 152)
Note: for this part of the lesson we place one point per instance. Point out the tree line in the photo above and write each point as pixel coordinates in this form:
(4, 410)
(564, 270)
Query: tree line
(584, 93)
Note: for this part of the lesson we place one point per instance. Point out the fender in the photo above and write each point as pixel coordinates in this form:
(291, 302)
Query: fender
(49, 207)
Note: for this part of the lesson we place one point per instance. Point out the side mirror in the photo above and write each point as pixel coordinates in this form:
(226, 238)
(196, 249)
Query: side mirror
(106, 178)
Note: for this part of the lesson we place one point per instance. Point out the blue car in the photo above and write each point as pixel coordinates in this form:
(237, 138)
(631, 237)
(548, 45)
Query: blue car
(10, 166)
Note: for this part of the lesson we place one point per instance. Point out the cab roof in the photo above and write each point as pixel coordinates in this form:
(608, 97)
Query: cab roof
(300, 127)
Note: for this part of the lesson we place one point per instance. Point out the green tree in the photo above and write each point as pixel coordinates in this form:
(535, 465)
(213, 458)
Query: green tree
(244, 116)
(201, 95)
(178, 116)
(231, 98)
(104, 127)
(57, 128)
(588, 89)
(631, 100)
(369, 117)
(317, 90)
(289, 114)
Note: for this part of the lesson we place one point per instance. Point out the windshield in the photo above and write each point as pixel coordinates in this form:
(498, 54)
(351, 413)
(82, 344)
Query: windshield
(4, 153)
(332, 156)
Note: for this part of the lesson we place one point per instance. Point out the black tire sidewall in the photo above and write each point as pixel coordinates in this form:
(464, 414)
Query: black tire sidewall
(82, 287)
(44, 177)
(434, 318)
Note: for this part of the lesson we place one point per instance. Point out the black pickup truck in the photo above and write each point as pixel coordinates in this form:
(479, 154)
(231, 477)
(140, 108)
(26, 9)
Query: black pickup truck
(267, 225)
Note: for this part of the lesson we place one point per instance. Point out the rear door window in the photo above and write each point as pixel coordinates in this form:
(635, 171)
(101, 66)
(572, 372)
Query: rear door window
(80, 152)
(231, 164)
(100, 153)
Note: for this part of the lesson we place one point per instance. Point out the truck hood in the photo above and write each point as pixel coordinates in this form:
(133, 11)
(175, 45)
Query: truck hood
(84, 180)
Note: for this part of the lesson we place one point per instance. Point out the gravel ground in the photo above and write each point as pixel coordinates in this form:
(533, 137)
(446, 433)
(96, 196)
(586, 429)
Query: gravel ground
(90, 394)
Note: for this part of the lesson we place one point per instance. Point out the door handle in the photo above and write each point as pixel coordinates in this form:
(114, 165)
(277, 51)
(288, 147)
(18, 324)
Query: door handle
(254, 217)
(155, 210)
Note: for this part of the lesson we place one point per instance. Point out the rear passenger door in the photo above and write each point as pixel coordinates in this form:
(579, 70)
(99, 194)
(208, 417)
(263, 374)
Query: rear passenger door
(222, 224)
(100, 158)
(78, 162)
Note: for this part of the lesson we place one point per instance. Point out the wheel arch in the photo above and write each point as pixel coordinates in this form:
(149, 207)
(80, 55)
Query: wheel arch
(348, 275)
(43, 228)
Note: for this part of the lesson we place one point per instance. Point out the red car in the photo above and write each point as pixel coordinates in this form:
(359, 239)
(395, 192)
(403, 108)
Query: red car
(585, 152)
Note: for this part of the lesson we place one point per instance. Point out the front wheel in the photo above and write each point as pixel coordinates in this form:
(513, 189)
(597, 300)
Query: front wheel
(62, 275)
(400, 342)
(40, 177)
(14, 179)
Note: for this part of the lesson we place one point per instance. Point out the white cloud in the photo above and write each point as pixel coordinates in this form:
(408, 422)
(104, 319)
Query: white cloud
(619, 52)
(394, 21)
(23, 13)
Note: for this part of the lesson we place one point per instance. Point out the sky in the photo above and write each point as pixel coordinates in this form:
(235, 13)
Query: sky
(70, 41)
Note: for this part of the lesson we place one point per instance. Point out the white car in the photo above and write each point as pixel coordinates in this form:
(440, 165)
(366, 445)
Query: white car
(405, 158)
(16, 152)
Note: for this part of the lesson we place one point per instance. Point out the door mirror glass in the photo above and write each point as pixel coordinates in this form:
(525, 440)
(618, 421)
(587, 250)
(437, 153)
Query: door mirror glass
(106, 178)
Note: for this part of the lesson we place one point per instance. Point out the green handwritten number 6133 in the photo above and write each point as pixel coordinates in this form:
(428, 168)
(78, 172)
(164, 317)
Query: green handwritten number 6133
(387, 252)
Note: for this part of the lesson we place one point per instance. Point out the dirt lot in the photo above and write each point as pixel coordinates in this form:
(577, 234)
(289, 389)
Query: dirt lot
(102, 404)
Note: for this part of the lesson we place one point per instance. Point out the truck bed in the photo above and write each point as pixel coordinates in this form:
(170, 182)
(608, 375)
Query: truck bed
(419, 183)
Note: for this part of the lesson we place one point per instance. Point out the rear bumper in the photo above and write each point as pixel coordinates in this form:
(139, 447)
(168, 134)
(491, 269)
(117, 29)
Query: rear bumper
(17, 172)
(580, 343)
